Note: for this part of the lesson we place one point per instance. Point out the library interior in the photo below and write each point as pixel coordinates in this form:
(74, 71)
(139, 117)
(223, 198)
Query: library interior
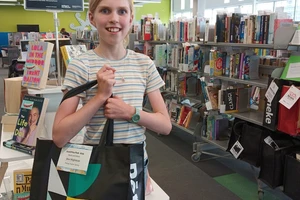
(227, 73)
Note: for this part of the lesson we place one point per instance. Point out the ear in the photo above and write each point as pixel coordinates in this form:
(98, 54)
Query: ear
(91, 18)
(131, 19)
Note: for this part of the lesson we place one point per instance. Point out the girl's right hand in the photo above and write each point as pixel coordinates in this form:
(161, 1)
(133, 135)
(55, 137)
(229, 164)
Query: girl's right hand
(106, 81)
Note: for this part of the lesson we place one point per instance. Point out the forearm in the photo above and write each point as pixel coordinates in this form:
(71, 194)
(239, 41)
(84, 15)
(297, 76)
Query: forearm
(66, 128)
(156, 122)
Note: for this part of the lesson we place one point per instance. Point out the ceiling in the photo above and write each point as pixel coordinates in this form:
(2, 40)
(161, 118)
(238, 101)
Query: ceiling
(137, 3)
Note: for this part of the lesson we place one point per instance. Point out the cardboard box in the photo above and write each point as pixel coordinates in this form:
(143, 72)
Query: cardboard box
(13, 94)
(9, 122)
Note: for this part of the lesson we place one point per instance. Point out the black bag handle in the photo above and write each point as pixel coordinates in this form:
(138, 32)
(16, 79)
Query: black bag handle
(106, 139)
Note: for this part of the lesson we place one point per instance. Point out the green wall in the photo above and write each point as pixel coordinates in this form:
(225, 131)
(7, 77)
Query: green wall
(12, 15)
(163, 9)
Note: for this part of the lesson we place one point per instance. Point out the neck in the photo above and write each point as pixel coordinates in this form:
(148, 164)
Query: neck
(113, 53)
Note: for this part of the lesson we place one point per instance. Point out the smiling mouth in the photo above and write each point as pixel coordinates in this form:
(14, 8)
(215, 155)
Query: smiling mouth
(113, 30)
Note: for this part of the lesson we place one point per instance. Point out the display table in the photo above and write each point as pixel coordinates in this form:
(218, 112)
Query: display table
(9, 155)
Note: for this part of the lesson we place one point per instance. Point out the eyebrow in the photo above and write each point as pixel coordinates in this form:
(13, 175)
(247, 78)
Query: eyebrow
(108, 7)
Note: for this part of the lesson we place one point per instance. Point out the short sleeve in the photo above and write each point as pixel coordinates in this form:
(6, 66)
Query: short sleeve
(154, 80)
(76, 75)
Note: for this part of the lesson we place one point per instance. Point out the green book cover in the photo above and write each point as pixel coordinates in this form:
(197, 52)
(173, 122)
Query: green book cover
(292, 69)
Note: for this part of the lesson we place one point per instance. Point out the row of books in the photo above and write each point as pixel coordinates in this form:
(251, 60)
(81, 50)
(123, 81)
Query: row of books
(234, 65)
(253, 29)
(188, 57)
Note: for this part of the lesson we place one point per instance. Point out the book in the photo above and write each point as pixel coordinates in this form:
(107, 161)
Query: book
(12, 144)
(13, 94)
(71, 51)
(21, 183)
(37, 64)
(30, 120)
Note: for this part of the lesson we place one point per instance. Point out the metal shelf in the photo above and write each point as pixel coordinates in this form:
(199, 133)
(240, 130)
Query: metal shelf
(263, 83)
(222, 144)
(268, 67)
(255, 117)
(225, 44)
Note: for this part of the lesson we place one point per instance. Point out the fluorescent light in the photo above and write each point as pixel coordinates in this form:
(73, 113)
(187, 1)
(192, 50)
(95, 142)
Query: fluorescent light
(86, 3)
(8, 0)
(137, 5)
(7, 4)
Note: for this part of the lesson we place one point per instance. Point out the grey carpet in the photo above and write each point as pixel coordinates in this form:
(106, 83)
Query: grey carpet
(180, 179)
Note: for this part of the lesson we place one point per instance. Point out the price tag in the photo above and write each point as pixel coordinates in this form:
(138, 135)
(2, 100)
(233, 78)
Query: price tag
(290, 97)
(237, 149)
(271, 92)
(74, 158)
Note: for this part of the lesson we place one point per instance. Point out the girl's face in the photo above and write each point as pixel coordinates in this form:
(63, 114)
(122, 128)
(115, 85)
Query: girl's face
(113, 21)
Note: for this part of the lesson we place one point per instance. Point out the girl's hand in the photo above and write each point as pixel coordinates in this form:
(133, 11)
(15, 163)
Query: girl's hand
(116, 108)
(106, 81)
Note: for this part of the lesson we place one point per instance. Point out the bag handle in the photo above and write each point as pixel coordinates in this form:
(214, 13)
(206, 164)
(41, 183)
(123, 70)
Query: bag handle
(106, 139)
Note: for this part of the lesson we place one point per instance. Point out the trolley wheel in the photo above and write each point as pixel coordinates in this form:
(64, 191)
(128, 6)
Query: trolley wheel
(196, 157)
(260, 194)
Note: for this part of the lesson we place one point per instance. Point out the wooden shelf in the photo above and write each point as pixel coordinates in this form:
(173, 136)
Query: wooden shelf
(255, 117)
(262, 83)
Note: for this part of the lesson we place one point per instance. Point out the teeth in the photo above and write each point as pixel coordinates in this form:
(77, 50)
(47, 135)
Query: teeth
(113, 29)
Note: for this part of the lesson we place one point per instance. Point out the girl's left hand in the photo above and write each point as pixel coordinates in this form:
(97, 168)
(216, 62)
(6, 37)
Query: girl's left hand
(116, 108)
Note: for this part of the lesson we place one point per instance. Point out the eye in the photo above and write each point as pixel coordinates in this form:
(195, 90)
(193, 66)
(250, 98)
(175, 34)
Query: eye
(104, 11)
(122, 12)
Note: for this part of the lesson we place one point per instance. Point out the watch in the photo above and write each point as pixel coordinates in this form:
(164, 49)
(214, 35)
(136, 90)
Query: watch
(136, 117)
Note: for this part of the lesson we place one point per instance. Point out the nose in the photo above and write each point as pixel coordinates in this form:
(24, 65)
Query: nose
(114, 18)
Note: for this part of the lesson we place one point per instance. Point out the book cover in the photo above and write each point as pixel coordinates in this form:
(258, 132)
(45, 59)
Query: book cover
(21, 183)
(37, 65)
(30, 120)
(71, 51)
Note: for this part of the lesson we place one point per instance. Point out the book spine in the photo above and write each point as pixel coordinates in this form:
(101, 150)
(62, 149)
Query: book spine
(18, 148)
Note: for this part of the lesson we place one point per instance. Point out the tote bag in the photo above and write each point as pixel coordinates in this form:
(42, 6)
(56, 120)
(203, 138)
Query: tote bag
(289, 119)
(115, 171)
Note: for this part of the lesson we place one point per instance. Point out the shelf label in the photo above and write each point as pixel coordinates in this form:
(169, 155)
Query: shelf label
(290, 97)
(271, 92)
(237, 149)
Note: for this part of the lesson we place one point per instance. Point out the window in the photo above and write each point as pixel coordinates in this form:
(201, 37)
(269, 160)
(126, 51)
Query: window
(182, 4)
(264, 6)
(191, 3)
(208, 15)
(246, 9)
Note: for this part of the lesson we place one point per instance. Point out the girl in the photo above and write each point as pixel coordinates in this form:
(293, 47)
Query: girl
(119, 71)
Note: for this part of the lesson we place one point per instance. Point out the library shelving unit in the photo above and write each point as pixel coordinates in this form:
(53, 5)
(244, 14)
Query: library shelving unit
(281, 42)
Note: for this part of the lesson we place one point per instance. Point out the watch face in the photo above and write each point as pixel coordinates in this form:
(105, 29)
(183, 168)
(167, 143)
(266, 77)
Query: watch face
(135, 118)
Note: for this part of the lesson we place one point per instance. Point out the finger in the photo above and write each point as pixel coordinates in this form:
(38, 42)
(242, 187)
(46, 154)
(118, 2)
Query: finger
(108, 67)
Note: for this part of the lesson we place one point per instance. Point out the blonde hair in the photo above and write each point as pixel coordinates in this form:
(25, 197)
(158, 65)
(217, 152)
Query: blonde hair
(92, 8)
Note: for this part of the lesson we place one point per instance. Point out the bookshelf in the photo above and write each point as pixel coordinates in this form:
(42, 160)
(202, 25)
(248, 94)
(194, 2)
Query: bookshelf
(262, 83)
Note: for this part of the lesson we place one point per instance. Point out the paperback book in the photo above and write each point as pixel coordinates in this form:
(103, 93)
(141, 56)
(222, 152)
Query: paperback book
(29, 125)
(71, 51)
(37, 64)
(22, 181)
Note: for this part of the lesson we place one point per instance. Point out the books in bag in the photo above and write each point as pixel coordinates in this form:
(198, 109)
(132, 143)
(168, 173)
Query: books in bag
(37, 64)
(29, 124)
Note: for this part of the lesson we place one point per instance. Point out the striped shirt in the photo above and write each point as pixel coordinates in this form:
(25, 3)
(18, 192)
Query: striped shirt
(135, 75)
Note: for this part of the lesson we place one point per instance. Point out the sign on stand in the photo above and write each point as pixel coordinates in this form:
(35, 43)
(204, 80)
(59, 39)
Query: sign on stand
(66, 5)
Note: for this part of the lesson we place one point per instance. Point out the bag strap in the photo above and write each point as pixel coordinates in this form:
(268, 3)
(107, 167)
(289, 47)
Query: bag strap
(106, 139)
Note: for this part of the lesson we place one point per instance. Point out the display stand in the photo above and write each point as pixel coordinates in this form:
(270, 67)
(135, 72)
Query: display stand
(57, 44)
(8, 155)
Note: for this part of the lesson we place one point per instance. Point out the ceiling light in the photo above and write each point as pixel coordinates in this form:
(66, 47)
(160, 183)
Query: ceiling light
(137, 5)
